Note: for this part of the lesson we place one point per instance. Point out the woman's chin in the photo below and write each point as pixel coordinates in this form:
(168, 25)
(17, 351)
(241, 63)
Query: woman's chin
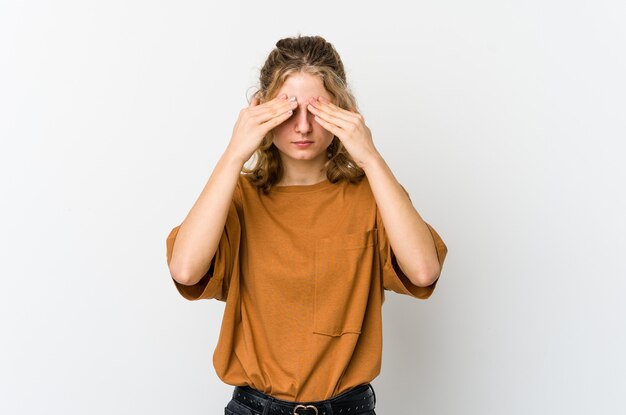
(304, 156)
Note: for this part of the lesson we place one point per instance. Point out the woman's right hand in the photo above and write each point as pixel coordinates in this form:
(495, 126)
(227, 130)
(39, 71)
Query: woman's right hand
(255, 121)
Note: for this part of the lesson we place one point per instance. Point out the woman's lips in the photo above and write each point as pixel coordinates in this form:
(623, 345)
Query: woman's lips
(303, 143)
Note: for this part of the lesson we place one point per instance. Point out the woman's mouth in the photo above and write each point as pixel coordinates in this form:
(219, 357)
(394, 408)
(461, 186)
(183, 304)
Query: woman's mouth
(303, 144)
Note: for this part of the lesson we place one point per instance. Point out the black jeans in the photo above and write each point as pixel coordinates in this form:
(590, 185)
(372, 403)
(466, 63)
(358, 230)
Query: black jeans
(257, 402)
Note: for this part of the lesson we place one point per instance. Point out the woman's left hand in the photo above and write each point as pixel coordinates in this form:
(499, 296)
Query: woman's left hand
(348, 126)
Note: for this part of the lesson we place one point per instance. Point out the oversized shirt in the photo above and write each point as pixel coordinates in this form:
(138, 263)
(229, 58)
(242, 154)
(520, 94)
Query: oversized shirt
(302, 271)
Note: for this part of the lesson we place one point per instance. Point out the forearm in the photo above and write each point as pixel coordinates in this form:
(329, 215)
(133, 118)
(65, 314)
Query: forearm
(409, 236)
(200, 232)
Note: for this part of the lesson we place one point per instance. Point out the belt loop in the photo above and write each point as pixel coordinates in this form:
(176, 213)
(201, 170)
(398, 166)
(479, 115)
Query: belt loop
(329, 408)
(268, 405)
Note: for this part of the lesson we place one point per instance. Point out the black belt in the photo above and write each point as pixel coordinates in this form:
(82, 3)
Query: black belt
(354, 401)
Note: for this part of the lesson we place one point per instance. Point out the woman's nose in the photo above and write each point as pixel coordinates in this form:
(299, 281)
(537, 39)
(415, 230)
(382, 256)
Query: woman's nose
(303, 119)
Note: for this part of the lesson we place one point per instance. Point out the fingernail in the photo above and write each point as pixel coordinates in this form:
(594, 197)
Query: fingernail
(283, 96)
(292, 99)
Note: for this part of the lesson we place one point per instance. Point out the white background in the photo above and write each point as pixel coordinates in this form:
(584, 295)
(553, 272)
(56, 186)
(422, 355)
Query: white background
(505, 120)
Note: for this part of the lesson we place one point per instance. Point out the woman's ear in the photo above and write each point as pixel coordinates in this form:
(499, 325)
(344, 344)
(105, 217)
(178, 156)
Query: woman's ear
(259, 97)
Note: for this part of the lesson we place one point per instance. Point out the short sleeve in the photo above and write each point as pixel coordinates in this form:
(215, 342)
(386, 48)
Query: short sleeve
(392, 275)
(215, 283)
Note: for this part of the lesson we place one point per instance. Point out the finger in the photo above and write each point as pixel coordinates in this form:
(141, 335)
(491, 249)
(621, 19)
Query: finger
(256, 101)
(330, 117)
(330, 108)
(330, 127)
(275, 104)
(273, 122)
(274, 111)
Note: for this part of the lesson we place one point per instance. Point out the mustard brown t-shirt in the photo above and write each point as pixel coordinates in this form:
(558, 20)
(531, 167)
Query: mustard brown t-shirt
(302, 271)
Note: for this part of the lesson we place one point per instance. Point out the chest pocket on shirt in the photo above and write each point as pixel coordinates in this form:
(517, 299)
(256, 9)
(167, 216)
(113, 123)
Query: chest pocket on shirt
(344, 266)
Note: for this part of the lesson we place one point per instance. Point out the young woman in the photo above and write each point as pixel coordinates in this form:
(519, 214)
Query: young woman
(302, 244)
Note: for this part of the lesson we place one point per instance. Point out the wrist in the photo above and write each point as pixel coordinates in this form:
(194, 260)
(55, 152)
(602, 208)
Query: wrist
(374, 162)
(231, 156)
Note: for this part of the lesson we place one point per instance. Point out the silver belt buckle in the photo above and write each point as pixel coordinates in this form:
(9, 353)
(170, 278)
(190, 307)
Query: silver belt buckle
(295, 410)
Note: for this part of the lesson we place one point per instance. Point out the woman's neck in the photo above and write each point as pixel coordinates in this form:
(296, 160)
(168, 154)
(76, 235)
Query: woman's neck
(302, 173)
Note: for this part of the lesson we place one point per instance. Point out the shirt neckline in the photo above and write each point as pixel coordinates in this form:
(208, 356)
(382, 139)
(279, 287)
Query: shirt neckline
(303, 188)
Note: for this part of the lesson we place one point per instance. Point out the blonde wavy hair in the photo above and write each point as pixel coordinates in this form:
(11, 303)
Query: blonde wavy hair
(315, 56)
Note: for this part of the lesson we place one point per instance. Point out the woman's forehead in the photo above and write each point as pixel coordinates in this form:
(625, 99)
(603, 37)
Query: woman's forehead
(304, 86)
